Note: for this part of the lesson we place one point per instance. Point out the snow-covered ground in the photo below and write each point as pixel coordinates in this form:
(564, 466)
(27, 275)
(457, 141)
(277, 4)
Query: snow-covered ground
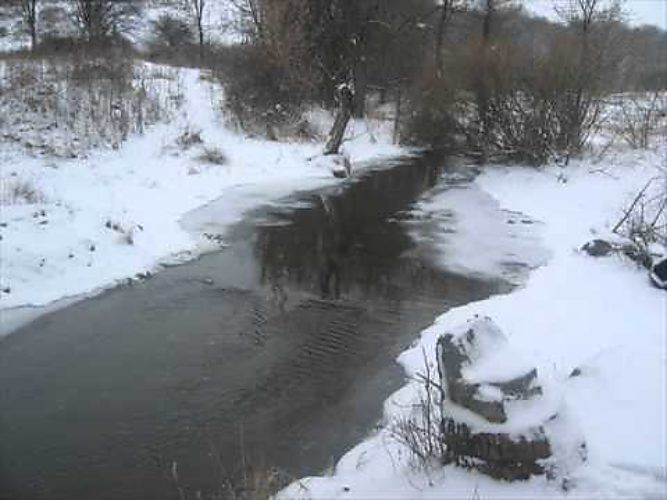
(74, 226)
(600, 316)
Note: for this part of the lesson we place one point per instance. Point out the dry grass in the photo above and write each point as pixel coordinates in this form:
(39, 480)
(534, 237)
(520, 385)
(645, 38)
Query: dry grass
(19, 192)
(420, 430)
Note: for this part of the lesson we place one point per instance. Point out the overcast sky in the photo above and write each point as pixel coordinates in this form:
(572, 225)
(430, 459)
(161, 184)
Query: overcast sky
(639, 11)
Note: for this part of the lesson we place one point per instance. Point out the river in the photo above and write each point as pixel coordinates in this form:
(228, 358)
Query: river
(276, 351)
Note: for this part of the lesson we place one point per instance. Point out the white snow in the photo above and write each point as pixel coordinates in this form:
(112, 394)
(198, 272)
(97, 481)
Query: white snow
(492, 358)
(598, 315)
(489, 242)
(94, 221)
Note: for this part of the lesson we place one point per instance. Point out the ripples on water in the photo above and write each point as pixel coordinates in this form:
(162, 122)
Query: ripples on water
(283, 345)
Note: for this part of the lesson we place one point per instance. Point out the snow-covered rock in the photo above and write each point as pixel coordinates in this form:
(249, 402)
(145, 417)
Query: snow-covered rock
(598, 248)
(493, 413)
(339, 165)
(659, 273)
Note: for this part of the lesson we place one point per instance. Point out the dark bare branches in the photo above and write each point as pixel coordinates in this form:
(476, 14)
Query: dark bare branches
(101, 20)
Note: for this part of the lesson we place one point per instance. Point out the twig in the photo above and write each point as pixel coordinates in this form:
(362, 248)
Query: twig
(632, 206)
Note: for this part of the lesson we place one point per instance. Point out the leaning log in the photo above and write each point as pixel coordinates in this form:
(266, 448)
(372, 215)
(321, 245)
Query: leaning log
(345, 101)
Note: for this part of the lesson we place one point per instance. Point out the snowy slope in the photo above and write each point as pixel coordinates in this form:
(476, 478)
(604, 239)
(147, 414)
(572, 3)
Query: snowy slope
(74, 226)
(601, 317)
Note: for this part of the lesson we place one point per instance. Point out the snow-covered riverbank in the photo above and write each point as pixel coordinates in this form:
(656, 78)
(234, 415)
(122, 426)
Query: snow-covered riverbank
(75, 226)
(600, 317)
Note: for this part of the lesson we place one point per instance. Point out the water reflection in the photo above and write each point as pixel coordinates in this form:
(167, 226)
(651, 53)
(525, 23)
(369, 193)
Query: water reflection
(342, 245)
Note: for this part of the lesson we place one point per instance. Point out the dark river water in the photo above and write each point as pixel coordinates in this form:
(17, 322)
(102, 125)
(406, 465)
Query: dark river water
(274, 352)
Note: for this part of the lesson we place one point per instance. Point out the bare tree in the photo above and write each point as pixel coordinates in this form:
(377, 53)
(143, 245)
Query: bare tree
(250, 17)
(489, 12)
(102, 19)
(29, 14)
(196, 9)
(172, 32)
(344, 99)
(447, 9)
(580, 108)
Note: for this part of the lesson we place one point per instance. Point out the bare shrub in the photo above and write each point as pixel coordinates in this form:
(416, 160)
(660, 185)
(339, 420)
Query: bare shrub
(213, 156)
(432, 115)
(260, 95)
(639, 118)
(644, 221)
(101, 21)
(508, 100)
(188, 139)
(170, 33)
(420, 431)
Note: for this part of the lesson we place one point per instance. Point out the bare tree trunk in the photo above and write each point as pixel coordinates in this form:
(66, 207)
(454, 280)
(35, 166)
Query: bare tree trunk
(360, 85)
(345, 100)
(397, 115)
(446, 11)
(33, 37)
(196, 8)
(201, 38)
(29, 12)
(483, 96)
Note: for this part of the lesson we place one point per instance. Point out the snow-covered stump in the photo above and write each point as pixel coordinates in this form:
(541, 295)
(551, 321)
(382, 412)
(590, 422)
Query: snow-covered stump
(493, 413)
(339, 165)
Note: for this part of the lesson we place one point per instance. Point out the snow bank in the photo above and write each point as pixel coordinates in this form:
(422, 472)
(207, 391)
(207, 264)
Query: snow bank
(76, 226)
(490, 242)
(596, 329)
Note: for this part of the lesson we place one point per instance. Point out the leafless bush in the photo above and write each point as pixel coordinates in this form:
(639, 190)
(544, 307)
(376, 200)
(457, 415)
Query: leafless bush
(260, 95)
(171, 31)
(504, 103)
(420, 430)
(644, 221)
(171, 37)
(188, 139)
(213, 156)
(103, 20)
(511, 101)
(525, 105)
(639, 118)
(432, 114)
